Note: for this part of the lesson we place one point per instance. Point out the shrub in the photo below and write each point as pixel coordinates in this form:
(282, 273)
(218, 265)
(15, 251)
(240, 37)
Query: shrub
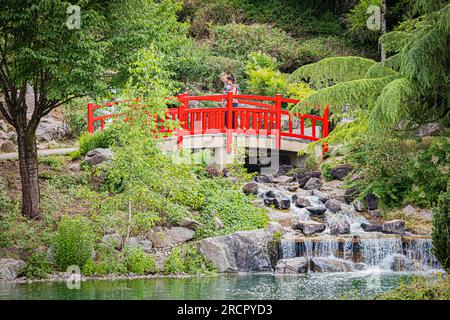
(266, 82)
(73, 242)
(441, 227)
(187, 259)
(38, 266)
(139, 262)
(109, 261)
(260, 60)
(174, 263)
(99, 139)
(54, 162)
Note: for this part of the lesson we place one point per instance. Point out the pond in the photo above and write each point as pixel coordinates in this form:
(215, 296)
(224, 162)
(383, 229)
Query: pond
(353, 285)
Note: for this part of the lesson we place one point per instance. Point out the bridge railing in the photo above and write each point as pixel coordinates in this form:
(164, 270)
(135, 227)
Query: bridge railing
(253, 115)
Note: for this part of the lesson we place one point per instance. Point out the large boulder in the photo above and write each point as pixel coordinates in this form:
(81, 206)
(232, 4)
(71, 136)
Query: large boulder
(367, 227)
(321, 264)
(282, 218)
(98, 156)
(145, 245)
(333, 205)
(313, 183)
(340, 226)
(321, 195)
(301, 202)
(166, 237)
(190, 224)
(243, 251)
(316, 211)
(250, 188)
(310, 227)
(275, 227)
(7, 146)
(371, 202)
(11, 268)
(277, 198)
(394, 227)
(113, 239)
(292, 265)
(51, 129)
(359, 205)
(341, 171)
(304, 177)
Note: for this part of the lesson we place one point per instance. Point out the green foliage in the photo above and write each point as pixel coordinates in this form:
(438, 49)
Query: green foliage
(357, 17)
(73, 242)
(139, 262)
(108, 261)
(441, 227)
(54, 162)
(421, 288)
(260, 60)
(99, 139)
(187, 259)
(38, 266)
(266, 82)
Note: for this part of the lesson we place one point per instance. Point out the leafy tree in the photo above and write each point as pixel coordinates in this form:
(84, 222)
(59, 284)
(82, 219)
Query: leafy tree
(39, 52)
(412, 85)
(441, 230)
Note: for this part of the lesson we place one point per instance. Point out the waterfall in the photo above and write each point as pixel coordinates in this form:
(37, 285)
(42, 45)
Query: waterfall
(420, 250)
(327, 248)
(287, 248)
(373, 251)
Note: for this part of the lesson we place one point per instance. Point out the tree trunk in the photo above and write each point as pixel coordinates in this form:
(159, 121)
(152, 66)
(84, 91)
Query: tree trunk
(26, 140)
(383, 27)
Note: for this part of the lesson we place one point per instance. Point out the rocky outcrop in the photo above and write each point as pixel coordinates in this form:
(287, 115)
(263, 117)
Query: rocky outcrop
(165, 237)
(10, 268)
(321, 264)
(341, 171)
(51, 129)
(145, 245)
(250, 188)
(98, 156)
(313, 183)
(310, 227)
(394, 227)
(242, 251)
(293, 265)
(277, 199)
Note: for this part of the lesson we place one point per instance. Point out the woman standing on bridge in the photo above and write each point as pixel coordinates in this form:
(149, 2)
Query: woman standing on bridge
(234, 88)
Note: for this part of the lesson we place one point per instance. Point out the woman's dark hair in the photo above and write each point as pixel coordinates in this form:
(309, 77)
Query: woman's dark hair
(231, 77)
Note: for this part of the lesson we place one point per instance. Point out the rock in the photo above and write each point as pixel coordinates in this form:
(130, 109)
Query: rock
(321, 264)
(341, 171)
(341, 226)
(11, 268)
(189, 224)
(292, 188)
(394, 227)
(277, 199)
(146, 245)
(316, 211)
(8, 146)
(263, 179)
(51, 129)
(132, 242)
(409, 210)
(213, 170)
(333, 205)
(284, 170)
(3, 126)
(292, 265)
(282, 179)
(309, 227)
(371, 227)
(250, 188)
(166, 237)
(114, 239)
(400, 262)
(274, 227)
(376, 214)
(371, 202)
(429, 129)
(313, 183)
(322, 196)
(304, 177)
(74, 167)
(226, 173)
(350, 195)
(426, 214)
(98, 156)
(243, 251)
(3, 136)
(302, 202)
(282, 218)
(359, 205)
(218, 224)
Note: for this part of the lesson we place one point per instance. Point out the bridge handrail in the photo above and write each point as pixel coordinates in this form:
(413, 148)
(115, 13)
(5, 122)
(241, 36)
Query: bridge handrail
(266, 117)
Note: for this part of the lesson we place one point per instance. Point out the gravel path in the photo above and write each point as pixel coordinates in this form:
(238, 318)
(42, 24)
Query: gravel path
(41, 153)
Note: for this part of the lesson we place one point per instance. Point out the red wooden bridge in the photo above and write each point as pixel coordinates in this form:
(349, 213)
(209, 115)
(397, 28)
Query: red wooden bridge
(254, 115)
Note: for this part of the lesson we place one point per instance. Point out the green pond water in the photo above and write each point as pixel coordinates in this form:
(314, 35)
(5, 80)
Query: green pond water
(249, 286)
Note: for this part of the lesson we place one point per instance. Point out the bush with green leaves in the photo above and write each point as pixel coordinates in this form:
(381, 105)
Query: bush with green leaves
(187, 259)
(139, 262)
(99, 139)
(38, 265)
(73, 243)
(441, 227)
(108, 261)
(420, 288)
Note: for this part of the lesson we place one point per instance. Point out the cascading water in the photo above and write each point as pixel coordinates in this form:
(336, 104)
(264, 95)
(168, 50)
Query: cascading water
(420, 250)
(288, 248)
(375, 250)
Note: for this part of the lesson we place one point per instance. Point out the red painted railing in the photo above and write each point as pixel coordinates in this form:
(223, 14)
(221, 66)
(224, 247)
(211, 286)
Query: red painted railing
(260, 115)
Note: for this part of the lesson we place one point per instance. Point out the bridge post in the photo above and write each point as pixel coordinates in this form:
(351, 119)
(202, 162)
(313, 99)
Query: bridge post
(325, 131)
(90, 117)
(229, 121)
(278, 120)
(181, 118)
